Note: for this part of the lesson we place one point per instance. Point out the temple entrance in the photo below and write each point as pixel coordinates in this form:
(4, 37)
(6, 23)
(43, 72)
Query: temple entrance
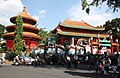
(82, 46)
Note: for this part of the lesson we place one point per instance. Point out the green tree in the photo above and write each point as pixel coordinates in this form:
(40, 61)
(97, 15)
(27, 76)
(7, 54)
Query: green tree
(3, 48)
(113, 27)
(44, 34)
(112, 4)
(2, 29)
(18, 43)
(2, 43)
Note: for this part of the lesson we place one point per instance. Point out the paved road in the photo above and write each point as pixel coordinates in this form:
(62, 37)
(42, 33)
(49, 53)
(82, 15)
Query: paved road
(9, 71)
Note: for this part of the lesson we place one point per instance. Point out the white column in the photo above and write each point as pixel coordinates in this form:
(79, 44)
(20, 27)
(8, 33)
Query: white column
(72, 41)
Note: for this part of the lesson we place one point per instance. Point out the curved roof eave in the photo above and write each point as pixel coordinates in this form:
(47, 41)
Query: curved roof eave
(81, 27)
(25, 34)
(82, 34)
(25, 15)
(33, 21)
(24, 26)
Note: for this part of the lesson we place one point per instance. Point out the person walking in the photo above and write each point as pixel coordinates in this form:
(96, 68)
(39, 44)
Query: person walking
(103, 68)
(16, 60)
(97, 66)
(92, 63)
(68, 62)
(75, 61)
(107, 64)
(114, 67)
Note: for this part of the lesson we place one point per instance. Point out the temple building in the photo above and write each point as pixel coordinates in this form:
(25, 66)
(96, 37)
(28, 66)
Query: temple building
(84, 37)
(30, 37)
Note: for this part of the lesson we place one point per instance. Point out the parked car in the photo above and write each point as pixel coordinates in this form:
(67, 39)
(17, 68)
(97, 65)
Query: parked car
(26, 60)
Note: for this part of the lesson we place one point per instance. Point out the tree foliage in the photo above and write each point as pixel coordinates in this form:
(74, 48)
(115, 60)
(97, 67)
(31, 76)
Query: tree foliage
(112, 4)
(18, 43)
(45, 35)
(2, 29)
(2, 43)
(113, 27)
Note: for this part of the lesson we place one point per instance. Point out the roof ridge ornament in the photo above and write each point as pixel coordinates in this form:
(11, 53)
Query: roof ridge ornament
(68, 19)
(87, 24)
(82, 21)
(24, 9)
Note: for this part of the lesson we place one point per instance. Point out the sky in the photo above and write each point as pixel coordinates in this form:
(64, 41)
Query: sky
(49, 13)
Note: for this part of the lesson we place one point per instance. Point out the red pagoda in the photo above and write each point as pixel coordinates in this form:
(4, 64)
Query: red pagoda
(80, 32)
(30, 32)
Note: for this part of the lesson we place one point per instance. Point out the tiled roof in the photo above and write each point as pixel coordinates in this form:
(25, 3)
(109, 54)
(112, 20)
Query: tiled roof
(79, 24)
(25, 34)
(23, 14)
(24, 26)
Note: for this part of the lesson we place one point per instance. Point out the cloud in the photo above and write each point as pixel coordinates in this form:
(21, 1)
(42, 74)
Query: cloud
(9, 8)
(96, 17)
(41, 14)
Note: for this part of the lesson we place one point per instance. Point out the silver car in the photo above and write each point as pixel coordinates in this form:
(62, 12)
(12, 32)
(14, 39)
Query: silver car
(29, 60)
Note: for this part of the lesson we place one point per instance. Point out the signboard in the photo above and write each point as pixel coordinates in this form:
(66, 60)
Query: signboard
(51, 41)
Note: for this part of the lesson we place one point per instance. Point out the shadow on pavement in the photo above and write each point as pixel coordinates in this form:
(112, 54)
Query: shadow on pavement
(80, 67)
(83, 70)
(90, 75)
(50, 66)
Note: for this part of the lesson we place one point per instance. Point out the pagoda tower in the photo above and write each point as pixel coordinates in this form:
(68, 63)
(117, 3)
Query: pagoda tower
(30, 37)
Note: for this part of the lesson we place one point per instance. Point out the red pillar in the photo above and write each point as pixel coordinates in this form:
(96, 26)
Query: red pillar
(91, 45)
(111, 44)
(61, 40)
(28, 44)
(117, 45)
(98, 44)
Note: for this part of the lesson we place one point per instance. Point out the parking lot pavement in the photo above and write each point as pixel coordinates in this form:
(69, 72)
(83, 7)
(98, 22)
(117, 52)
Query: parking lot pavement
(47, 71)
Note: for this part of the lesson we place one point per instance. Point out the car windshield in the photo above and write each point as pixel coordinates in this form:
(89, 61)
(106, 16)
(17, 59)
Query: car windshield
(25, 57)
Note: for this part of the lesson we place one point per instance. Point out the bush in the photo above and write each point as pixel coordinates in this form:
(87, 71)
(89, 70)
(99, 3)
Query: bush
(9, 56)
